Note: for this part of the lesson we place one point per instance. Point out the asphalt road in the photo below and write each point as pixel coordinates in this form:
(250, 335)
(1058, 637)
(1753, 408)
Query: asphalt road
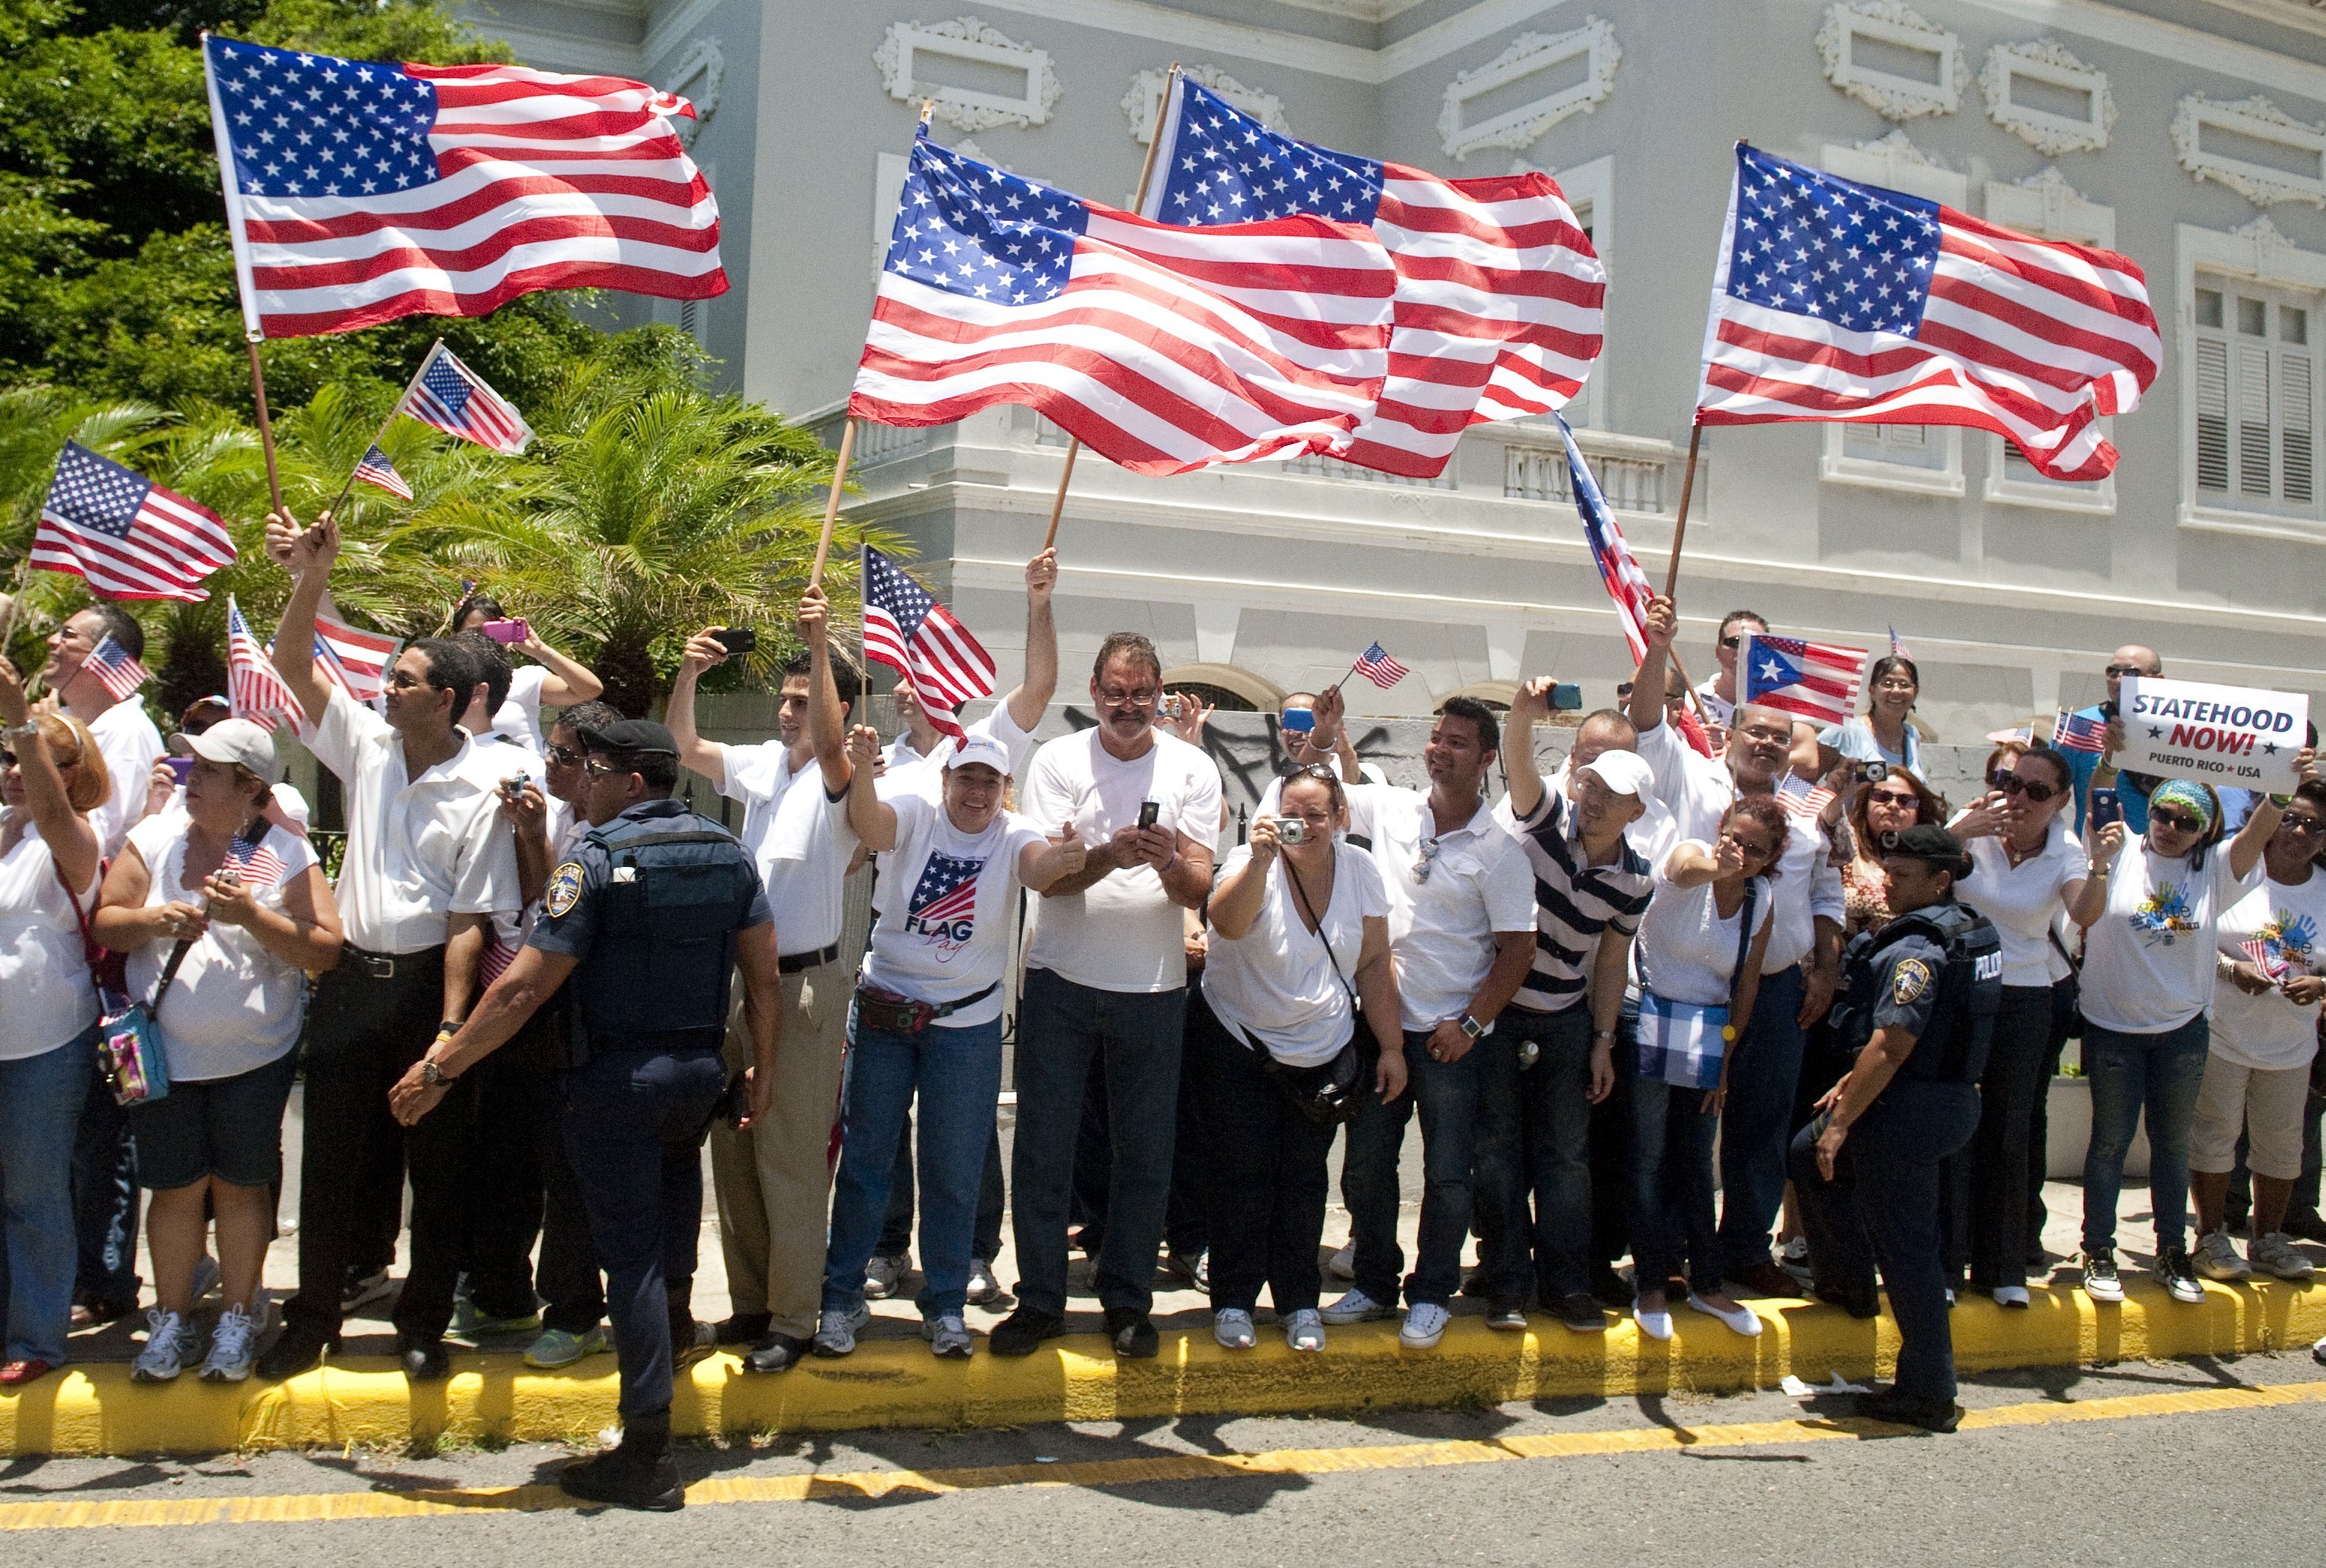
(2135, 1463)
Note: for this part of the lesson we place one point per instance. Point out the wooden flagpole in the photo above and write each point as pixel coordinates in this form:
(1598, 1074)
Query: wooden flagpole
(1138, 203)
(1680, 524)
(265, 425)
(393, 410)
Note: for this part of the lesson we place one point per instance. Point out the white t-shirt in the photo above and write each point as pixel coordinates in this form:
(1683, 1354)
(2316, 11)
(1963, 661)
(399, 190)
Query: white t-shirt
(2022, 901)
(2148, 962)
(798, 836)
(1442, 921)
(948, 935)
(1721, 711)
(520, 713)
(42, 971)
(2268, 1031)
(232, 1006)
(1123, 933)
(1686, 949)
(1275, 982)
(131, 745)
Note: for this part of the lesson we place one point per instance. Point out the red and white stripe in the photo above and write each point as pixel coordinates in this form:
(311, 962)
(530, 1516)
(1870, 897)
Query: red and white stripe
(354, 660)
(1828, 685)
(548, 181)
(172, 545)
(2033, 339)
(1169, 348)
(253, 688)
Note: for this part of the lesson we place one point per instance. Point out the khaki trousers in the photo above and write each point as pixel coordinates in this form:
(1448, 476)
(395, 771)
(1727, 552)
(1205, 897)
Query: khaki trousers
(774, 1180)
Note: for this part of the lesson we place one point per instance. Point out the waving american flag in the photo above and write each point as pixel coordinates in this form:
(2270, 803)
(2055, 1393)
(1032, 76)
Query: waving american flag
(454, 399)
(374, 468)
(127, 535)
(116, 669)
(908, 630)
(253, 688)
(1627, 585)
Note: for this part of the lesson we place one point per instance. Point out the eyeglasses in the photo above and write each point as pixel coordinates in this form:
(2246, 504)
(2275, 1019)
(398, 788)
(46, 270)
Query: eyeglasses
(2179, 821)
(1114, 698)
(2121, 671)
(1895, 797)
(2312, 826)
(1421, 866)
(2011, 783)
(1746, 847)
(563, 755)
(596, 769)
(1895, 686)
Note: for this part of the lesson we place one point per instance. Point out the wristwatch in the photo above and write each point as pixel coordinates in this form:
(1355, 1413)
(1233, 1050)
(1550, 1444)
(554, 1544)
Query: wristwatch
(433, 1076)
(1471, 1028)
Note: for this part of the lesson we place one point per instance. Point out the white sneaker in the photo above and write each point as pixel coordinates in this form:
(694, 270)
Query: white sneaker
(836, 1334)
(231, 1349)
(1231, 1327)
(947, 1335)
(2101, 1281)
(1342, 1265)
(1741, 1319)
(985, 1290)
(2011, 1296)
(1357, 1307)
(2273, 1255)
(1305, 1329)
(1424, 1325)
(168, 1342)
(2217, 1257)
(883, 1275)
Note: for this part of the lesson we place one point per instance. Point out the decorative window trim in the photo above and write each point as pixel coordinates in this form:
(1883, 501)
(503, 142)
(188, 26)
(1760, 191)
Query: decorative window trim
(2049, 133)
(1895, 97)
(1527, 53)
(1895, 164)
(1838, 467)
(1146, 93)
(2045, 203)
(705, 63)
(2264, 121)
(2259, 253)
(967, 38)
(2042, 494)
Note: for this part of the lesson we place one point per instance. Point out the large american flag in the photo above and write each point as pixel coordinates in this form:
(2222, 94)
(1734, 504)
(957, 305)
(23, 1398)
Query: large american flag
(908, 630)
(1837, 301)
(127, 535)
(1813, 680)
(1161, 348)
(116, 669)
(360, 191)
(253, 688)
(1498, 289)
(454, 399)
(1627, 585)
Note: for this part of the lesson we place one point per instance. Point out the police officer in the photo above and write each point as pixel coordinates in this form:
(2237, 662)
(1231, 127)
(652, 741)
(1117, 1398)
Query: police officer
(647, 917)
(1920, 1004)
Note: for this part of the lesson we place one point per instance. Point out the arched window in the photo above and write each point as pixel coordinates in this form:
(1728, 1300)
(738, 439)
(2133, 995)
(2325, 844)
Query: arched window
(1494, 694)
(1225, 687)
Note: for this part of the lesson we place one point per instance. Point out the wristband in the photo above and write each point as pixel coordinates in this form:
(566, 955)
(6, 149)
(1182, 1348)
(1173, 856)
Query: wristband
(448, 1028)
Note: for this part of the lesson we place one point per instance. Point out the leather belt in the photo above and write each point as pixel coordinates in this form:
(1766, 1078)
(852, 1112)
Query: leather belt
(792, 963)
(379, 966)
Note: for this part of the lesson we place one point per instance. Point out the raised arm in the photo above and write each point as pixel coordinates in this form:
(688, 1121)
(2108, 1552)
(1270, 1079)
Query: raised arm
(2089, 900)
(569, 680)
(2244, 849)
(1028, 699)
(1647, 704)
(309, 560)
(868, 818)
(71, 841)
(703, 652)
(1236, 900)
(1692, 865)
(1529, 706)
(827, 716)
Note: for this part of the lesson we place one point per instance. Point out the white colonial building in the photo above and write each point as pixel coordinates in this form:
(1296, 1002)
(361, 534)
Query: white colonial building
(2189, 134)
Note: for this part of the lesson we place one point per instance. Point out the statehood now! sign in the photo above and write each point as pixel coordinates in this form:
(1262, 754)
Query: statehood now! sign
(2236, 736)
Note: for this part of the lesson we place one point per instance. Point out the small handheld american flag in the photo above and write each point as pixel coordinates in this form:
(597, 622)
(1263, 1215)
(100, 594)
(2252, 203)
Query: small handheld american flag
(2266, 959)
(1375, 665)
(1801, 800)
(454, 399)
(127, 535)
(253, 862)
(906, 629)
(1813, 680)
(253, 689)
(2080, 732)
(115, 669)
(374, 469)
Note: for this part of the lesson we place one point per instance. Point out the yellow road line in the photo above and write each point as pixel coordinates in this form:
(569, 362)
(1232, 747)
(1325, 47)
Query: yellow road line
(325, 1507)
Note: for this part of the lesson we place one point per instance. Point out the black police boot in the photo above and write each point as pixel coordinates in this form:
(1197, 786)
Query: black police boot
(294, 1350)
(1904, 1410)
(690, 1341)
(639, 1474)
(424, 1360)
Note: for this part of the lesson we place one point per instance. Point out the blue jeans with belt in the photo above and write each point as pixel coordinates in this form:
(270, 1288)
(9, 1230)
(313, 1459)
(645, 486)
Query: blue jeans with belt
(41, 1099)
(1447, 1093)
(2160, 1073)
(1757, 1122)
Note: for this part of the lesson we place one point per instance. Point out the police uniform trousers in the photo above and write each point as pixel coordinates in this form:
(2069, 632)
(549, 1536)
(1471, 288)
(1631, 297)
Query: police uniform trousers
(1884, 1205)
(634, 1117)
(774, 1179)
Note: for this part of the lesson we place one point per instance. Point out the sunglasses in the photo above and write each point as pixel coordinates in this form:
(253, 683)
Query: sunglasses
(1895, 797)
(2011, 783)
(1732, 641)
(603, 770)
(1428, 854)
(2179, 821)
(2121, 671)
(2313, 826)
(563, 755)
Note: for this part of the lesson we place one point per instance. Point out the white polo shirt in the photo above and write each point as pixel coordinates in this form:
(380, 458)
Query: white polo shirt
(420, 850)
(1448, 895)
(130, 745)
(798, 837)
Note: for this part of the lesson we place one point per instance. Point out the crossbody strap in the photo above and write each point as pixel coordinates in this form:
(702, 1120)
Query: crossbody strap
(1743, 948)
(1301, 897)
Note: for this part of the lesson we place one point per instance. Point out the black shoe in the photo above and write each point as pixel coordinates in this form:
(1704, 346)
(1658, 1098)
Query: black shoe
(2305, 1226)
(639, 1474)
(295, 1350)
(742, 1329)
(1608, 1289)
(1861, 1302)
(690, 1341)
(775, 1353)
(423, 1360)
(1022, 1333)
(1764, 1278)
(1132, 1333)
(1476, 1284)
(1906, 1410)
(1579, 1310)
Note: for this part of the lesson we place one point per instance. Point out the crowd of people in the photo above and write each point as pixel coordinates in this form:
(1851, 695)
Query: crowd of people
(1714, 994)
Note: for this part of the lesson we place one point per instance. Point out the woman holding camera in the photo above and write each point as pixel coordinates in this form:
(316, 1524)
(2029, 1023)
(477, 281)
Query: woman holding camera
(222, 912)
(1892, 804)
(52, 775)
(2150, 909)
(1299, 935)
(1884, 733)
(552, 679)
(928, 1021)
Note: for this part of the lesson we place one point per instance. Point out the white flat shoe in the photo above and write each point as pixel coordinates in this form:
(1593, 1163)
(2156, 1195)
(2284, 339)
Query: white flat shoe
(2011, 1296)
(1744, 1320)
(1654, 1325)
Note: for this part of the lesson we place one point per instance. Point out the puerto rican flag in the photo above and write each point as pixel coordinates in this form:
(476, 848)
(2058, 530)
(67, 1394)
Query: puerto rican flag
(1813, 680)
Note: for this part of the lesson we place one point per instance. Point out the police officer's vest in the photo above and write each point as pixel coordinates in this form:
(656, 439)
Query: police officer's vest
(667, 924)
(1952, 1046)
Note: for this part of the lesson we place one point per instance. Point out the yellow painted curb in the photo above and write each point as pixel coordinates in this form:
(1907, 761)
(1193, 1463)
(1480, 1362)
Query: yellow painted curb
(897, 1383)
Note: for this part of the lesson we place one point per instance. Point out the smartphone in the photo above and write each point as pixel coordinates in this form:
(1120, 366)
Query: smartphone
(1299, 720)
(1566, 697)
(736, 639)
(2105, 807)
(510, 632)
(182, 767)
(1147, 812)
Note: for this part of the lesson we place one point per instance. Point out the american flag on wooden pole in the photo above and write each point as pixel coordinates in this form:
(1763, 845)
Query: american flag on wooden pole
(1626, 584)
(128, 536)
(1375, 665)
(374, 468)
(253, 688)
(1842, 301)
(906, 629)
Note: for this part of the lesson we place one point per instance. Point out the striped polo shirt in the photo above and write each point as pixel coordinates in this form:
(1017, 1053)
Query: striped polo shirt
(1573, 902)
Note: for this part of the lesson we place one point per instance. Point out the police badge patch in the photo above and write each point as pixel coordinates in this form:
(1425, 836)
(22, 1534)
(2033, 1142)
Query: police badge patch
(1909, 980)
(564, 890)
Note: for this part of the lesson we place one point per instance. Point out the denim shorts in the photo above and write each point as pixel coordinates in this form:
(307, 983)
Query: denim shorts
(226, 1127)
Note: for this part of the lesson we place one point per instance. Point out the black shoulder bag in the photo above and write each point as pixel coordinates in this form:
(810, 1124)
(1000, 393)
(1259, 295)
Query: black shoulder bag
(1329, 1093)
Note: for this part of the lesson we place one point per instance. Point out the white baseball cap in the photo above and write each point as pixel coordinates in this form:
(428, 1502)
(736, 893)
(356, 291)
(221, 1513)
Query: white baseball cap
(1625, 773)
(236, 740)
(981, 748)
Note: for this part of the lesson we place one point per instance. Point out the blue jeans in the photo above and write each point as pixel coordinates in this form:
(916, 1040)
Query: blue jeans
(1534, 1141)
(1672, 1203)
(1066, 1032)
(39, 1111)
(2129, 1072)
(1448, 1093)
(1757, 1124)
(958, 1075)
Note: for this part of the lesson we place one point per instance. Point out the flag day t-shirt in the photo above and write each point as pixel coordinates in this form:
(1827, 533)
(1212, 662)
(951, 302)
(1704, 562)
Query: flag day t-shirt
(948, 936)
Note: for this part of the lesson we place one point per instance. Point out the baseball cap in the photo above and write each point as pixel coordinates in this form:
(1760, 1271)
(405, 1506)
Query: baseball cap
(235, 741)
(1625, 773)
(1923, 842)
(632, 736)
(981, 748)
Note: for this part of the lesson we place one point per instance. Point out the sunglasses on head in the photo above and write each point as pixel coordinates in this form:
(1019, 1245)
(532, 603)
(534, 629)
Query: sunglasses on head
(2179, 821)
(2011, 783)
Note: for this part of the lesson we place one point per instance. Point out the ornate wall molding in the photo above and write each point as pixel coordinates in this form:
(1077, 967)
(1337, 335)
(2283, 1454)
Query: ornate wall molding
(1895, 23)
(1146, 91)
(2049, 132)
(2045, 203)
(2263, 121)
(1895, 164)
(1528, 54)
(696, 78)
(906, 44)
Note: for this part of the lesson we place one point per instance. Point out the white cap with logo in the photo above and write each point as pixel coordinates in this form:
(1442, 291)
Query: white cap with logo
(979, 749)
(1625, 773)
